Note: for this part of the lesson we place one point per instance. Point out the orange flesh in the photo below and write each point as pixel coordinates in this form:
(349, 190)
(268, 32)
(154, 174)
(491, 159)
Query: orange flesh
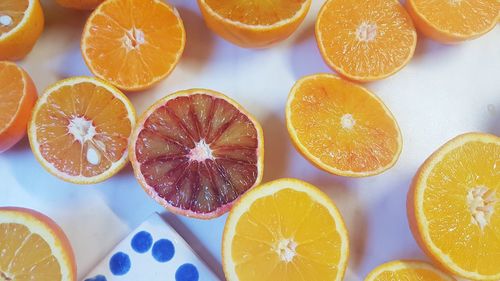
(11, 93)
(88, 102)
(409, 274)
(26, 256)
(133, 43)
(292, 215)
(460, 17)
(15, 10)
(256, 12)
(187, 177)
(451, 224)
(366, 40)
(317, 110)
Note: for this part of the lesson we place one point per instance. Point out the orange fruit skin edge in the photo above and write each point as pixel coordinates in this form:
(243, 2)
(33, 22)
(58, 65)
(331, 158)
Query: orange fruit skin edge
(158, 79)
(42, 161)
(424, 26)
(17, 45)
(320, 165)
(265, 185)
(248, 36)
(152, 193)
(17, 129)
(346, 75)
(54, 228)
(372, 275)
(416, 223)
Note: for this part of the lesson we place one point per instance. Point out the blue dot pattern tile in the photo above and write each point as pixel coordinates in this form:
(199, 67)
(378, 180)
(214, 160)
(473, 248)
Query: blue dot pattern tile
(119, 264)
(97, 278)
(187, 272)
(163, 250)
(142, 242)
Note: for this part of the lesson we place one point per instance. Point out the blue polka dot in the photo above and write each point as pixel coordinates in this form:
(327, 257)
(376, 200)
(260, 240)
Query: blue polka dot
(187, 272)
(163, 250)
(97, 278)
(142, 242)
(119, 264)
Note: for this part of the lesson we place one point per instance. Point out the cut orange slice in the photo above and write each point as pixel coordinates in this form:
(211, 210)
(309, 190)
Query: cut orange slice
(133, 44)
(33, 247)
(341, 127)
(454, 21)
(21, 23)
(406, 271)
(80, 4)
(80, 128)
(18, 95)
(454, 206)
(196, 151)
(365, 40)
(285, 230)
(254, 24)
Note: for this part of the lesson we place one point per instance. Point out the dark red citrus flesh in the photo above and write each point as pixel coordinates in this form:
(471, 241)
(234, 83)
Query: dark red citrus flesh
(188, 174)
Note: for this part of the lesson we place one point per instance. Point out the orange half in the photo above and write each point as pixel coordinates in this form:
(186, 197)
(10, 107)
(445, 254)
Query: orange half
(341, 127)
(400, 270)
(133, 44)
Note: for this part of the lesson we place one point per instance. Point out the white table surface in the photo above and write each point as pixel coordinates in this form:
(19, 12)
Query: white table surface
(443, 92)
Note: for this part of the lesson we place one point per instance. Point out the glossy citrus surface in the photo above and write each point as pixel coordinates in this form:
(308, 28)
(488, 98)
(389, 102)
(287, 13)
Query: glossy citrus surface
(196, 151)
(365, 40)
(285, 230)
(407, 271)
(454, 206)
(342, 127)
(80, 128)
(133, 44)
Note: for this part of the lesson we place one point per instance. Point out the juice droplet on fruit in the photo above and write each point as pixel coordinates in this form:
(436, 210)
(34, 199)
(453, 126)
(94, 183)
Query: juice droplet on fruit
(347, 121)
(286, 249)
(5, 20)
(366, 32)
(481, 201)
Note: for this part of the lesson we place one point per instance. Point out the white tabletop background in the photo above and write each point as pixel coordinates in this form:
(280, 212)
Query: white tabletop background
(443, 92)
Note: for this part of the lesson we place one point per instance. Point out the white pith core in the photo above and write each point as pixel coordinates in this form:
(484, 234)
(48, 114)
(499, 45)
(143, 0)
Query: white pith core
(347, 121)
(201, 152)
(481, 201)
(6, 20)
(84, 131)
(4, 277)
(286, 249)
(455, 2)
(134, 38)
(366, 32)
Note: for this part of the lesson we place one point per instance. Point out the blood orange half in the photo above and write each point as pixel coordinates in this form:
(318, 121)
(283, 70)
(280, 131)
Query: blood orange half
(196, 151)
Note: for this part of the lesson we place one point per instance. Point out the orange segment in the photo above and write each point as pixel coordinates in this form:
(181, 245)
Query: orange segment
(21, 23)
(454, 207)
(285, 230)
(407, 270)
(342, 127)
(365, 40)
(80, 4)
(196, 151)
(18, 95)
(254, 24)
(133, 44)
(80, 128)
(33, 247)
(454, 21)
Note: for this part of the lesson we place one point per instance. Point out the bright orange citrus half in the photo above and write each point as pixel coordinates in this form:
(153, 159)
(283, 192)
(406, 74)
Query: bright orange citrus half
(196, 152)
(285, 230)
(133, 44)
(401, 270)
(33, 247)
(454, 206)
(21, 23)
(254, 24)
(17, 95)
(80, 129)
(341, 127)
(365, 40)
